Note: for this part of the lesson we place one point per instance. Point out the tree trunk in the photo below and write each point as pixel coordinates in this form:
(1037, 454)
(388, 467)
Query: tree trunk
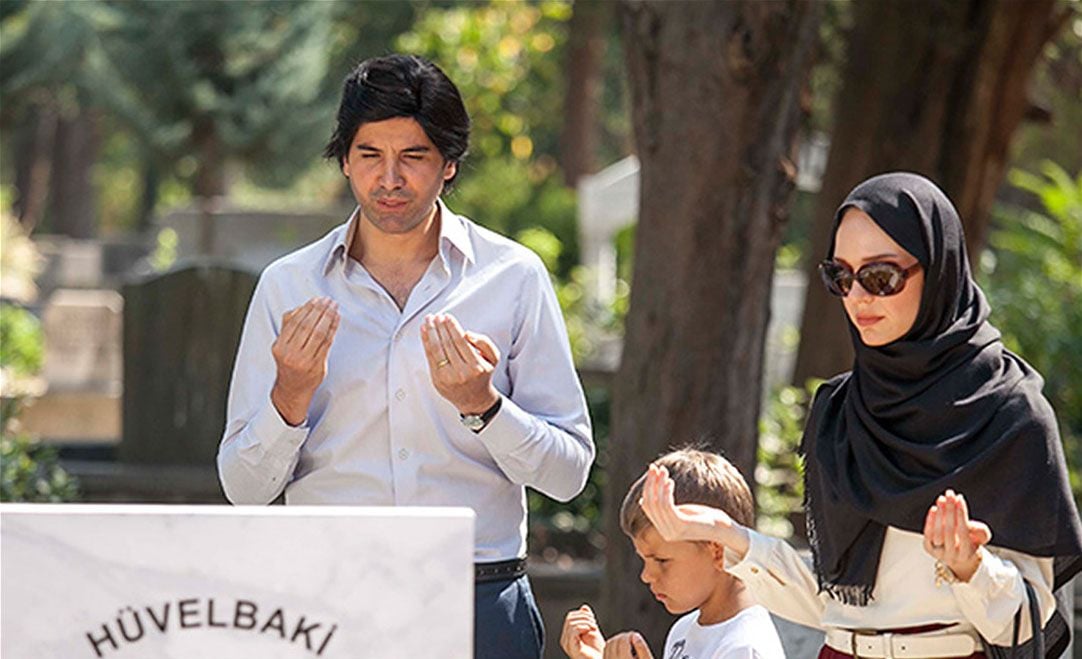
(585, 49)
(209, 180)
(715, 106)
(941, 97)
(148, 199)
(73, 204)
(33, 164)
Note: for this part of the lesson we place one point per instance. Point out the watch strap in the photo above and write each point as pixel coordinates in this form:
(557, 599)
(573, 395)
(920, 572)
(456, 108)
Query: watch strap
(485, 416)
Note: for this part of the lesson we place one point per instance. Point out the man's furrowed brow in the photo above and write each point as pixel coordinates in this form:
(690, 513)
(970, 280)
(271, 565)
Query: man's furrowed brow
(417, 148)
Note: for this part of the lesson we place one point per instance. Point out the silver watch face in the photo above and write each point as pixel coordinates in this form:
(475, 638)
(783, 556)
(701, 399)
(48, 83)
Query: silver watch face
(473, 421)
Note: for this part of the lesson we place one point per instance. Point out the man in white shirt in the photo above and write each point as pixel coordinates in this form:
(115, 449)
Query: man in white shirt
(411, 357)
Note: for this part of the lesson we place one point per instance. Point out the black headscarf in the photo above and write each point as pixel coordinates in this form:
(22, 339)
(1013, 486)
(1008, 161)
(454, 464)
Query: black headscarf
(944, 406)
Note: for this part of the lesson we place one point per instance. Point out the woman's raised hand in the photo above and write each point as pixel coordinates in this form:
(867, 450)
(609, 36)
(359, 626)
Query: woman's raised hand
(952, 538)
(687, 521)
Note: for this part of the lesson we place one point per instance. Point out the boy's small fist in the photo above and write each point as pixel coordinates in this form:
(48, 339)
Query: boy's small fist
(581, 637)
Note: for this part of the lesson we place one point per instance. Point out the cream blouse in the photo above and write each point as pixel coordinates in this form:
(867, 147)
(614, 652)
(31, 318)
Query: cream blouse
(905, 593)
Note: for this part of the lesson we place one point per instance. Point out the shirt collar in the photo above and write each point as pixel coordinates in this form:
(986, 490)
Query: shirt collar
(453, 231)
(342, 241)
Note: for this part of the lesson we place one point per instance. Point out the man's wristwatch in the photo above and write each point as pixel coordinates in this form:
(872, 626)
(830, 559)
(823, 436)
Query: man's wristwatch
(477, 422)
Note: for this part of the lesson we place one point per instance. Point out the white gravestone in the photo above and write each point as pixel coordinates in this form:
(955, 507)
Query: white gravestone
(203, 582)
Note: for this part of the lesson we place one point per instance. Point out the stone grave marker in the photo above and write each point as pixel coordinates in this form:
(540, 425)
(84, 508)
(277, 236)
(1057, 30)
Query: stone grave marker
(181, 331)
(82, 369)
(82, 339)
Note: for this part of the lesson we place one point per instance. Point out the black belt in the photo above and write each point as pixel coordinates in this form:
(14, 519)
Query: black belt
(501, 571)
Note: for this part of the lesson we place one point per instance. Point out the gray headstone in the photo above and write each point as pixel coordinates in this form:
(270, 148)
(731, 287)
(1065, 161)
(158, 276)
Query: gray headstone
(82, 340)
(181, 331)
(69, 263)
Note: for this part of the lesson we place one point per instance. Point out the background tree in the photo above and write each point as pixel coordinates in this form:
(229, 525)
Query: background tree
(585, 60)
(238, 81)
(715, 108)
(941, 95)
(51, 67)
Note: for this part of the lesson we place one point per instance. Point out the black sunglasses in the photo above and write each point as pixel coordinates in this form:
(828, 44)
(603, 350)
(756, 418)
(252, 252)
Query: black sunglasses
(879, 278)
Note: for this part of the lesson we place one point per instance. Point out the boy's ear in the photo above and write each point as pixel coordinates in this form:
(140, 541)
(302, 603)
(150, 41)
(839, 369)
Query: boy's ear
(717, 553)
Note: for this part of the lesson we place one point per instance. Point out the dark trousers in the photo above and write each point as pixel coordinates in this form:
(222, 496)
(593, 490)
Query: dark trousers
(507, 623)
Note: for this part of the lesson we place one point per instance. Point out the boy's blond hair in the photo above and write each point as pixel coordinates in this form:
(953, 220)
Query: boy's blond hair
(699, 477)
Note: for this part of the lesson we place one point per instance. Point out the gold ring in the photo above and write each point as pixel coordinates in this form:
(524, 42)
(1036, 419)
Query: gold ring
(443, 362)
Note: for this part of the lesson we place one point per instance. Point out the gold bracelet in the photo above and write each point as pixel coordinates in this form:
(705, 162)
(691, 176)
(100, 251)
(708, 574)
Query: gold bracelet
(944, 574)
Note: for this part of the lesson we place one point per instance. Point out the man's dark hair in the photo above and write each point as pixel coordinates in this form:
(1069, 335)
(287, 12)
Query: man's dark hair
(402, 86)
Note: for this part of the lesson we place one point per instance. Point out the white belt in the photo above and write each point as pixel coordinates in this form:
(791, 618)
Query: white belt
(899, 646)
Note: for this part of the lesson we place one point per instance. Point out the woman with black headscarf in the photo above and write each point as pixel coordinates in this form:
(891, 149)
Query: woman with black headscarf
(936, 489)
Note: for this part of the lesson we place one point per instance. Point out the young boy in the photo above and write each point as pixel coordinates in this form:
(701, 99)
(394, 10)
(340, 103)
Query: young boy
(722, 621)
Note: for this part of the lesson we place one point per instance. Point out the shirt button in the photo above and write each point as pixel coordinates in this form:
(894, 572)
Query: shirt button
(400, 394)
(755, 570)
(403, 454)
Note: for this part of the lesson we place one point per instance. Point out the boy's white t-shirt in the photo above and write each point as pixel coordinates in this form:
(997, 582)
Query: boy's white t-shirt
(749, 634)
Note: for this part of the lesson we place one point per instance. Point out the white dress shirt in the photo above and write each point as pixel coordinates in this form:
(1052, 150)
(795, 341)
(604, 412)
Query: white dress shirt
(905, 593)
(377, 432)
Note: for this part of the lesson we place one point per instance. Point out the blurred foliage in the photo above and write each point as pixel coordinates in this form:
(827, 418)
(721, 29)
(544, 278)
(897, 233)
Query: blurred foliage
(510, 196)
(246, 76)
(21, 344)
(779, 475)
(825, 80)
(591, 325)
(1056, 92)
(506, 59)
(53, 50)
(176, 88)
(560, 532)
(165, 250)
(28, 470)
(544, 243)
(594, 328)
(20, 260)
(1032, 274)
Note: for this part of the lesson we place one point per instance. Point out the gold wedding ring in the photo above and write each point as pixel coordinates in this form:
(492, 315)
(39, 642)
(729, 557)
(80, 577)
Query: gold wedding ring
(443, 362)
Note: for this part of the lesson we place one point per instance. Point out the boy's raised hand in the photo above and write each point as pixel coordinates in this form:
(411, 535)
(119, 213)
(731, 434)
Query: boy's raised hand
(627, 645)
(581, 637)
(687, 521)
